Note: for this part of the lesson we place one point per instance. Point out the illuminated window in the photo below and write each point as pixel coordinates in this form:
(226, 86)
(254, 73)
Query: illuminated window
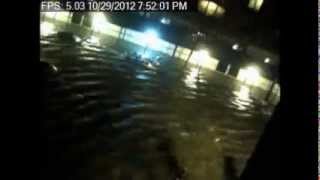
(203, 59)
(182, 53)
(47, 28)
(255, 4)
(250, 76)
(210, 8)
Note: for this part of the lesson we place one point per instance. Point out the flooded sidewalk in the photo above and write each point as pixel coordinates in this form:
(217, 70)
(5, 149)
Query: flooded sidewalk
(111, 117)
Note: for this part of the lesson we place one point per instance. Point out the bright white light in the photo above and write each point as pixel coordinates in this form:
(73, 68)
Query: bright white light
(267, 60)
(99, 22)
(252, 75)
(152, 33)
(150, 65)
(50, 14)
(255, 4)
(151, 37)
(47, 28)
(78, 39)
(201, 56)
(54, 68)
(235, 47)
(165, 21)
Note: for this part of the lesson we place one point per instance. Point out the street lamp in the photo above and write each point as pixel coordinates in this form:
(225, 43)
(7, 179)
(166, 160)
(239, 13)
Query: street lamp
(267, 60)
(235, 47)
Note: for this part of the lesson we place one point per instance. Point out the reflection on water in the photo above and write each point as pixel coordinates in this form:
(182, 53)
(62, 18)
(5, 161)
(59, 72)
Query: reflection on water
(192, 78)
(243, 93)
(242, 99)
(113, 118)
(142, 76)
(94, 40)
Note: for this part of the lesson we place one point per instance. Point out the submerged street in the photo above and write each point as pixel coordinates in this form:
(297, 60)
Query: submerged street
(107, 116)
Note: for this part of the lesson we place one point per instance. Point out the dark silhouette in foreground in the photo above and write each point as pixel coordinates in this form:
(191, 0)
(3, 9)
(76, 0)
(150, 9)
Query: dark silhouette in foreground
(265, 160)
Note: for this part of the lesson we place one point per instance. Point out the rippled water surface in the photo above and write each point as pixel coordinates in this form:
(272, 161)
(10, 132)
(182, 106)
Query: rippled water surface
(109, 117)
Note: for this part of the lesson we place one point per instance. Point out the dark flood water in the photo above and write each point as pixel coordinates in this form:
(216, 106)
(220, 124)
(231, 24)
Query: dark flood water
(112, 118)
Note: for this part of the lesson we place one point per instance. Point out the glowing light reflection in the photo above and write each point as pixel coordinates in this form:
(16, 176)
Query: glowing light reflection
(191, 78)
(243, 93)
(242, 100)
